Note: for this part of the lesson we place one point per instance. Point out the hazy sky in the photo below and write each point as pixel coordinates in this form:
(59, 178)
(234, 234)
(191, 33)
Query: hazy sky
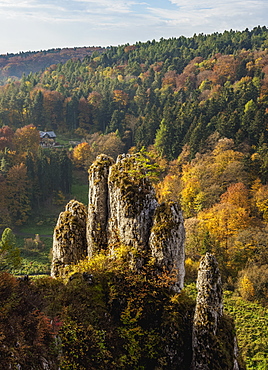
(44, 24)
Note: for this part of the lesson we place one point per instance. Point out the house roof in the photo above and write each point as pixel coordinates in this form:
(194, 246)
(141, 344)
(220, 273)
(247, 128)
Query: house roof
(49, 134)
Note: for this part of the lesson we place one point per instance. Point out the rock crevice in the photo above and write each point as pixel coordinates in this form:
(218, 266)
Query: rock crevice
(123, 210)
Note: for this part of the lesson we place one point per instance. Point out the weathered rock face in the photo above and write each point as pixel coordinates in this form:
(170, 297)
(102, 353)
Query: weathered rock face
(132, 204)
(69, 239)
(214, 345)
(236, 355)
(167, 242)
(98, 205)
(122, 210)
(208, 312)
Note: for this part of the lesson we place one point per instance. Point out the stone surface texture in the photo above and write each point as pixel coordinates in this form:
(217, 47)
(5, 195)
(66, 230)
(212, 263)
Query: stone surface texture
(69, 239)
(167, 242)
(208, 312)
(98, 204)
(132, 204)
(122, 210)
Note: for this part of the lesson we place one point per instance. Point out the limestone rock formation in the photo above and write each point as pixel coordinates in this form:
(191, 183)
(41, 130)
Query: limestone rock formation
(132, 204)
(213, 342)
(208, 312)
(236, 355)
(98, 206)
(122, 210)
(167, 242)
(69, 239)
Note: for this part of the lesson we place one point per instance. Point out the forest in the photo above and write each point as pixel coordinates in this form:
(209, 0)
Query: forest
(15, 65)
(197, 110)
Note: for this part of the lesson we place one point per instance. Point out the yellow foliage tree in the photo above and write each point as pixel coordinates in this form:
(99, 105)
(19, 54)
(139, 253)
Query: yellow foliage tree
(231, 215)
(224, 220)
(109, 144)
(224, 155)
(237, 195)
(120, 97)
(260, 198)
(82, 155)
(206, 177)
(246, 288)
(26, 139)
(191, 193)
(169, 188)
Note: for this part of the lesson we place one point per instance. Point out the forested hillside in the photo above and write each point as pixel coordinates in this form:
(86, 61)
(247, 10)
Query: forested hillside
(174, 91)
(29, 175)
(206, 94)
(15, 65)
(197, 110)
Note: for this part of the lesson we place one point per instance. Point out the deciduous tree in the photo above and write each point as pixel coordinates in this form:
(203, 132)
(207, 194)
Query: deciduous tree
(82, 155)
(9, 253)
(26, 139)
(18, 191)
(6, 137)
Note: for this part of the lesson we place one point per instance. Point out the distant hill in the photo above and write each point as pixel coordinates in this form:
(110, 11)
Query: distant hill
(15, 65)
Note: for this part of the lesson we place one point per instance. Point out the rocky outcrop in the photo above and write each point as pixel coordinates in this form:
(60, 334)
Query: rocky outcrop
(122, 210)
(98, 205)
(214, 344)
(167, 242)
(69, 239)
(132, 203)
(236, 355)
(208, 312)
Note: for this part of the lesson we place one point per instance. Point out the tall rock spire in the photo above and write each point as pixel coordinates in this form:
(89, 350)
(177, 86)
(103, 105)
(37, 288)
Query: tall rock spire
(167, 242)
(122, 210)
(132, 204)
(98, 204)
(208, 312)
(69, 239)
(213, 342)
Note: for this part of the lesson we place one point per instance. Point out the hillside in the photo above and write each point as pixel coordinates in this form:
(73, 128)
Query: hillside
(15, 65)
(195, 109)
(172, 92)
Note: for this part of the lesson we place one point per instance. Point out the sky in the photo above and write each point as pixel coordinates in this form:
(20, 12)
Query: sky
(33, 25)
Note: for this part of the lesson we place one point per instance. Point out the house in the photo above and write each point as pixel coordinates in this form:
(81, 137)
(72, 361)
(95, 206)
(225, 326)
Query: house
(47, 138)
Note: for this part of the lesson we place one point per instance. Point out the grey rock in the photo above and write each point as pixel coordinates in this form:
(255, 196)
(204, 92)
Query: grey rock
(167, 242)
(132, 203)
(208, 312)
(69, 238)
(122, 210)
(208, 323)
(98, 205)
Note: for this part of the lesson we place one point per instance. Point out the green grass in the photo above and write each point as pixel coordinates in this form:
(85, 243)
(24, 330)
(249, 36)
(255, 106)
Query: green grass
(34, 260)
(80, 192)
(64, 139)
(32, 229)
(80, 186)
(252, 330)
(251, 327)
